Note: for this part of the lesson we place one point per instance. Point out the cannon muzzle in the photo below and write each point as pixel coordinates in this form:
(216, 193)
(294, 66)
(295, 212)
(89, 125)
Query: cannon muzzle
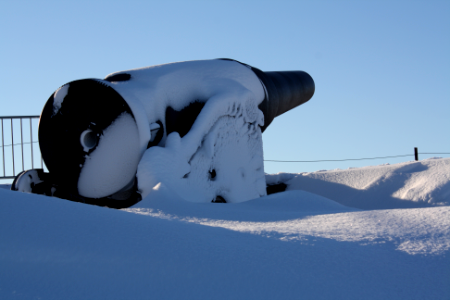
(285, 90)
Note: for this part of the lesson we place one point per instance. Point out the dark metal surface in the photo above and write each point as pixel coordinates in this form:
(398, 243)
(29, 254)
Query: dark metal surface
(89, 104)
(285, 91)
(19, 117)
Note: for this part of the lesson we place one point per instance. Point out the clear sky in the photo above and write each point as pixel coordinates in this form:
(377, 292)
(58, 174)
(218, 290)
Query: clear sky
(381, 68)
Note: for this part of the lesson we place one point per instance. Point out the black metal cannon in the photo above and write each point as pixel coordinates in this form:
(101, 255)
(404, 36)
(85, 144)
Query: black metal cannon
(131, 111)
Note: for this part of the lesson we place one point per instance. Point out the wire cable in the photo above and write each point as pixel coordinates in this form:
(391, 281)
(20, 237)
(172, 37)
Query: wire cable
(18, 144)
(347, 159)
(432, 153)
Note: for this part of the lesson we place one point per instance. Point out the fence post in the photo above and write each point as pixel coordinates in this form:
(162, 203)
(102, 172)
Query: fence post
(416, 154)
(12, 147)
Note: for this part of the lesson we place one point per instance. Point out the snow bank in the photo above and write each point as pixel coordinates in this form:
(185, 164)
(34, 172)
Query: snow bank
(211, 170)
(289, 245)
(296, 215)
(424, 183)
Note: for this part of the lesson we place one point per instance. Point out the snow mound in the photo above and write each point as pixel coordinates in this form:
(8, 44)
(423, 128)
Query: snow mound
(424, 183)
(163, 202)
(286, 245)
(204, 164)
(296, 215)
(279, 246)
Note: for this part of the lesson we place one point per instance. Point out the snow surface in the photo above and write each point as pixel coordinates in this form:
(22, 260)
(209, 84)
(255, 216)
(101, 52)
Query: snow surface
(224, 85)
(24, 183)
(423, 183)
(228, 124)
(290, 245)
(187, 170)
(113, 162)
(58, 98)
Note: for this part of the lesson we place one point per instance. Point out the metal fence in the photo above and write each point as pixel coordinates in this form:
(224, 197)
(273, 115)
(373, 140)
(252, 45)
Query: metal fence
(19, 145)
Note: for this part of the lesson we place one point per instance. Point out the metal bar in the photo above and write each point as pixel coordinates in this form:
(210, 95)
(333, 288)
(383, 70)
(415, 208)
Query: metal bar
(3, 149)
(7, 177)
(21, 144)
(12, 146)
(18, 117)
(31, 143)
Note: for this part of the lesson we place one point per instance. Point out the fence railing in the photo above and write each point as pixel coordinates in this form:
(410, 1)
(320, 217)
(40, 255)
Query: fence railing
(19, 145)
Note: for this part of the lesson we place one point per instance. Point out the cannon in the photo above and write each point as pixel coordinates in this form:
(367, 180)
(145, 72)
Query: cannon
(107, 141)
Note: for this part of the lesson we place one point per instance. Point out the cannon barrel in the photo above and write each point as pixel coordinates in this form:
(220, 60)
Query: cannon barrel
(285, 91)
(124, 110)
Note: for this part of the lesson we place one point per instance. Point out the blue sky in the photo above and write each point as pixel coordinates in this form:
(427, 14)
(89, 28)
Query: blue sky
(381, 68)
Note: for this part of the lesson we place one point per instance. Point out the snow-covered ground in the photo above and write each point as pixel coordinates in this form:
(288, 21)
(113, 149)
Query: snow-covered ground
(378, 232)
(424, 183)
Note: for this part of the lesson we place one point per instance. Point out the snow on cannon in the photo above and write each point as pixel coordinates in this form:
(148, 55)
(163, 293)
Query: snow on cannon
(194, 126)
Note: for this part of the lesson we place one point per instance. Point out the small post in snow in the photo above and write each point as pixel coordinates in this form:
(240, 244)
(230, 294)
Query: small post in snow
(416, 154)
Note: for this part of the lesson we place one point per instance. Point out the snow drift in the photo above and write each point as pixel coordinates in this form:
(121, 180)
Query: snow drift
(289, 245)
(423, 183)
